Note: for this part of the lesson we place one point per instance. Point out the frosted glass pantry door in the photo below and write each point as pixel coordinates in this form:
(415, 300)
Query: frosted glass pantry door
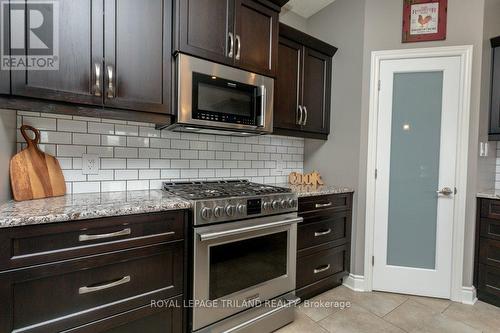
(416, 158)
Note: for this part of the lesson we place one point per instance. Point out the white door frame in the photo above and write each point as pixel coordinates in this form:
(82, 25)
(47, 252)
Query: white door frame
(465, 54)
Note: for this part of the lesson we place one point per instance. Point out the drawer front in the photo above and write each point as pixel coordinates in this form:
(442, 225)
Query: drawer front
(323, 229)
(145, 319)
(323, 202)
(490, 228)
(319, 265)
(93, 284)
(32, 245)
(489, 280)
(489, 252)
(490, 209)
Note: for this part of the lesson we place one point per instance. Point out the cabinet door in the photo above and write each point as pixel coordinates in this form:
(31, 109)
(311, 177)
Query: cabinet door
(138, 55)
(80, 51)
(287, 85)
(204, 29)
(256, 39)
(316, 86)
(495, 96)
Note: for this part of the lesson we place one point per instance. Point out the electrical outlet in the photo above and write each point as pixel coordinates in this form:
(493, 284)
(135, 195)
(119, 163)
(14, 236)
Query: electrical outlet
(90, 164)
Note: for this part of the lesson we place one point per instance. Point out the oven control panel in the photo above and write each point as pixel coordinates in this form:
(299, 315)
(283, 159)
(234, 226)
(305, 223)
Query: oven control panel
(214, 211)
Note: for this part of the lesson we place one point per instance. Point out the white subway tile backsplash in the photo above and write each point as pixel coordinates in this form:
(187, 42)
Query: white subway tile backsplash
(127, 130)
(113, 186)
(137, 185)
(101, 128)
(137, 163)
(55, 137)
(126, 174)
(66, 125)
(137, 142)
(70, 151)
(86, 139)
(134, 155)
(100, 151)
(86, 187)
(40, 123)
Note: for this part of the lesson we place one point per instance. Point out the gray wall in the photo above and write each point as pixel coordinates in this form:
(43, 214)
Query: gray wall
(290, 18)
(7, 150)
(341, 24)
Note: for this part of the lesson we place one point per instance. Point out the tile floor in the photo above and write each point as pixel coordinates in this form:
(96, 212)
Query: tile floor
(384, 312)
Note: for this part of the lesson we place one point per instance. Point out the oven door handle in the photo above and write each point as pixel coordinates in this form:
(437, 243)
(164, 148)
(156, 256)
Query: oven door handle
(214, 235)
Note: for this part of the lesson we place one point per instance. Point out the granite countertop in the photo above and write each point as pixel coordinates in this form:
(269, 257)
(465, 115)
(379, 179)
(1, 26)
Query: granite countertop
(489, 194)
(311, 191)
(87, 206)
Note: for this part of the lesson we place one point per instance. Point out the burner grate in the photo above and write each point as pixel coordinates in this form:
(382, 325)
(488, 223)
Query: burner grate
(220, 189)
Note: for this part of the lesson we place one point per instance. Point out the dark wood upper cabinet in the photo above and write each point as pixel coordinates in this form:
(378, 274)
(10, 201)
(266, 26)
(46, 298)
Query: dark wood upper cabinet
(288, 84)
(494, 131)
(316, 91)
(138, 54)
(303, 85)
(256, 37)
(239, 33)
(203, 28)
(80, 51)
(113, 54)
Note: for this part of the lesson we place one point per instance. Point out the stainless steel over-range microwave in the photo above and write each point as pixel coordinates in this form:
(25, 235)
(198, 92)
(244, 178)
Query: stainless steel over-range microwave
(217, 99)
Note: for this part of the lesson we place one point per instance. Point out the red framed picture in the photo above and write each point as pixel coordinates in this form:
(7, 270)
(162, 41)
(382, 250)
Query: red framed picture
(424, 20)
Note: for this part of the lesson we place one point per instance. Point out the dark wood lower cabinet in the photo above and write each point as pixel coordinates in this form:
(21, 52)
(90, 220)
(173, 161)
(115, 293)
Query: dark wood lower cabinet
(108, 287)
(487, 257)
(323, 243)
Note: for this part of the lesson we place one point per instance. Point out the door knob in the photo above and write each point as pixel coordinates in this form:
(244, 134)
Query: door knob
(445, 191)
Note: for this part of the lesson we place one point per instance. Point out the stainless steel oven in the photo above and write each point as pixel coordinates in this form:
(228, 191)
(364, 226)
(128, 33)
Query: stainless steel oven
(239, 263)
(213, 98)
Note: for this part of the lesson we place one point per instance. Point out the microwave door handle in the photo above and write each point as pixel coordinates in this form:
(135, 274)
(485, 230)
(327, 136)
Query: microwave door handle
(263, 105)
(219, 234)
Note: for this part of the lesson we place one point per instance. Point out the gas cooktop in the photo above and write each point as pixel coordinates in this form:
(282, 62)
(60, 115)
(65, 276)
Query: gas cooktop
(221, 189)
(232, 200)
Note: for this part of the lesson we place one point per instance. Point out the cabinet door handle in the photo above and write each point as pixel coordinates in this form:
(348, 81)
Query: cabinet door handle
(238, 47)
(324, 205)
(86, 290)
(305, 116)
(85, 238)
(322, 233)
(300, 115)
(111, 86)
(231, 45)
(97, 75)
(321, 269)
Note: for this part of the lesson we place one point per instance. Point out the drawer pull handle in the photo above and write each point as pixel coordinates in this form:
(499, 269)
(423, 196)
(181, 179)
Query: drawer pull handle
(322, 233)
(124, 232)
(324, 205)
(321, 269)
(86, 290)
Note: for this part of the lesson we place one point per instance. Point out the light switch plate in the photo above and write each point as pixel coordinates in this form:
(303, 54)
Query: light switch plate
(90, 164)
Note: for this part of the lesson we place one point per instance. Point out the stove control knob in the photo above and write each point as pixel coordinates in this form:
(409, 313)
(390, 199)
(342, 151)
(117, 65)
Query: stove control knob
(292, 203)
(266, 205)
(206, 213)
(242, 209)
(230, 210)
(218, 211)
(284, 203)
(276, 204)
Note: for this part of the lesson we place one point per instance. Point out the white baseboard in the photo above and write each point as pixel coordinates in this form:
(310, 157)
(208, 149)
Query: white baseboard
(355, 282)
(469, 295)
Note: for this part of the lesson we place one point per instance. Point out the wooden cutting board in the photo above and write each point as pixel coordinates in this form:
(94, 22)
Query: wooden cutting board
(34, 174)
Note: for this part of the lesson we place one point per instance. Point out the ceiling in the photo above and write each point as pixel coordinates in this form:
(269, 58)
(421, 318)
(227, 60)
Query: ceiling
(307, 8)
